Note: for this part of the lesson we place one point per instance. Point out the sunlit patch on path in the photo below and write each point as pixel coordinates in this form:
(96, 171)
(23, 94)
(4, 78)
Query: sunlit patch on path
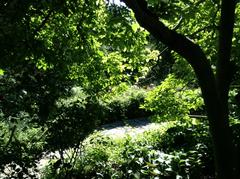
(129, 127)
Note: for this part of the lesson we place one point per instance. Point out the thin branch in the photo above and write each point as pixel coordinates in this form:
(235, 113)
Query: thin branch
(178, 23)
(166, 48)
(11, 136)
(46, 18)
(197, 116)
(39, 138)
(203, 29)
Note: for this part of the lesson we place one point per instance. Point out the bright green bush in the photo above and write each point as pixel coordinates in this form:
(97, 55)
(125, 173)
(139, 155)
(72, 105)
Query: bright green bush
(172, 100)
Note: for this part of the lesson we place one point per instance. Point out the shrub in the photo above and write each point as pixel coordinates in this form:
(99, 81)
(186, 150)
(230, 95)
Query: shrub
(191, 146)
(74, 120)
(21, 146)
(172, 100)
(124, 102)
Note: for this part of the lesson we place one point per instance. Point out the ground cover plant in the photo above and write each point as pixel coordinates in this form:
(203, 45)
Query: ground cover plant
(172, 150)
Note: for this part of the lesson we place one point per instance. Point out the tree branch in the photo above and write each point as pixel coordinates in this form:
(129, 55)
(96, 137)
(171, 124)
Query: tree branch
(187, 49)
(11, 136)
(177, 42)
(46, 18)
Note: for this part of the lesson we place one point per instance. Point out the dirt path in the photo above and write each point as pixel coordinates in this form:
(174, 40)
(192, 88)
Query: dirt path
(130, 127)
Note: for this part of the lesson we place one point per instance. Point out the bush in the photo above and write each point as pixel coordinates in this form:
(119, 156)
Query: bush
(124, 103)
(21, 146)
(74, 119)
(172, 100)
(191, 146)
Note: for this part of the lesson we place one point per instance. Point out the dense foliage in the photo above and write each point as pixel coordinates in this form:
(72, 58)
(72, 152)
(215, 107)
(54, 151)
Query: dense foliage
(173, 100)
(175, 149)
(67, 67)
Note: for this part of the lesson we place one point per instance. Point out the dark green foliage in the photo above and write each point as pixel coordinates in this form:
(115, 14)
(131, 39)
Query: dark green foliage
(192, 146)
(125, 102)
(185, 136)
(73, 123)
(27, 96)
(21, 146)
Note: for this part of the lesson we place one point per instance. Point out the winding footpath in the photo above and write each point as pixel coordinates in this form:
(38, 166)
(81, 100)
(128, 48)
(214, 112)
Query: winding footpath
(130, 127)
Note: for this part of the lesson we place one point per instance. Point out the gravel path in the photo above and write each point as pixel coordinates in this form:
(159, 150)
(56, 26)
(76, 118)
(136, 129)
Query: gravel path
(130, 127)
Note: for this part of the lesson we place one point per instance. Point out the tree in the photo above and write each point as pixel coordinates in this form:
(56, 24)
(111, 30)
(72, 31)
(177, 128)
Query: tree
(214, 87)
(47, 47)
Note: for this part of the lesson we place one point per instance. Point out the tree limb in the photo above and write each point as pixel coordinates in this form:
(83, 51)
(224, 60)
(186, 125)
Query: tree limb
(177, 42)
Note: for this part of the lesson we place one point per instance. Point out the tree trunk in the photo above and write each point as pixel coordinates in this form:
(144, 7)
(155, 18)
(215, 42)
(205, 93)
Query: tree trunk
(214, 91)
(223, 80)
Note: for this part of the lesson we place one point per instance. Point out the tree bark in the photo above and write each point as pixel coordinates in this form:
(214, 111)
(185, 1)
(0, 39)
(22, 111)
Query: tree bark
(224, 74)
(214, 92)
